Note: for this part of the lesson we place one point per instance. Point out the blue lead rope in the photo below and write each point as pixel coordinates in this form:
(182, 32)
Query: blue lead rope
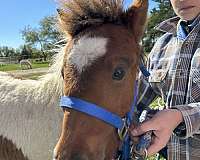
(125, 152)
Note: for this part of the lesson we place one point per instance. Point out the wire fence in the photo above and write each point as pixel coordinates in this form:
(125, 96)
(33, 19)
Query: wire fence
(9, 60)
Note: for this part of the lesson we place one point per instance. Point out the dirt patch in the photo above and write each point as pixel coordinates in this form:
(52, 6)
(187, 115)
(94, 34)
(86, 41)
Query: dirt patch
(29, 73)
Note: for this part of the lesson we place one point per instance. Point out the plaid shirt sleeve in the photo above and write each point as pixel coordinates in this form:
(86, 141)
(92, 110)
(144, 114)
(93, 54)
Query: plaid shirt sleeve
(146, 93)
(191, 116)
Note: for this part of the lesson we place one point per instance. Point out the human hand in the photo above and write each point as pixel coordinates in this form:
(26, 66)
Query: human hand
(162, 125)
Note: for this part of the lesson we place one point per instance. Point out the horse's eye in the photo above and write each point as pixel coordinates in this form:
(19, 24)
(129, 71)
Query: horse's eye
(118, 74)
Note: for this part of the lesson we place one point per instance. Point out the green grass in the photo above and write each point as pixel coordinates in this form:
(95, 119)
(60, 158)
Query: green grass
(156, 103)
(12, 67)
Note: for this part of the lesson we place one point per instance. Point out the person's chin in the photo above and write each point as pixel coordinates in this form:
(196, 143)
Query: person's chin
(188, 17)
(189, 13)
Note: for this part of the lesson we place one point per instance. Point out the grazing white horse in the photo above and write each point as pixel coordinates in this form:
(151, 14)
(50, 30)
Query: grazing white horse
(25, 64)
(29, 112)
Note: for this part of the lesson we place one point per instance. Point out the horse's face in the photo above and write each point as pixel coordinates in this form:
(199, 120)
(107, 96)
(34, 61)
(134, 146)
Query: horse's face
(100, 67)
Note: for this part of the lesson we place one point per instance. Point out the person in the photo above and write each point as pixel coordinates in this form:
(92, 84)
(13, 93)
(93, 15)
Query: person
(174, 65)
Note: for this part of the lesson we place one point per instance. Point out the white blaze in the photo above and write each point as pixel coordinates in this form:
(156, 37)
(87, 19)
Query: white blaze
(86, 51)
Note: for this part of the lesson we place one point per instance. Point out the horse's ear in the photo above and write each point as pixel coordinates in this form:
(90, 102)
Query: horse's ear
(137, 15)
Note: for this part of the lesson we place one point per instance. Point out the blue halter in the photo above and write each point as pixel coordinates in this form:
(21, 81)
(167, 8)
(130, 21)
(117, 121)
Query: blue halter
(122, 124)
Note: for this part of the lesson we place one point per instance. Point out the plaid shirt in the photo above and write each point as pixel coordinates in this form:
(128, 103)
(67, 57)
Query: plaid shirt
(174, 64)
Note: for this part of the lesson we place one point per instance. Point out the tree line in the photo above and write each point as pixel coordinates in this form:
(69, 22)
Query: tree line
(162, 12)
(39, 42)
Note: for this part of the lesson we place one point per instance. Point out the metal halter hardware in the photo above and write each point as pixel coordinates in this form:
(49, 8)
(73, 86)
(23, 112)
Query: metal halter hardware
(123, 132)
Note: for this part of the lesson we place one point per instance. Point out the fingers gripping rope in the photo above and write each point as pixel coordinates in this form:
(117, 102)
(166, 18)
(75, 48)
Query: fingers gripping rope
(140, 150)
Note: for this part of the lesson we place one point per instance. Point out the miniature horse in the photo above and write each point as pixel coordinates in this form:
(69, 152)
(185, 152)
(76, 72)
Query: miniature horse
(100, 66)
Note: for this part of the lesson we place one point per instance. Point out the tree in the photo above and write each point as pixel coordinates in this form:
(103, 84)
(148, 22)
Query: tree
(43, 37)
(48, 29)
(7, 51)
(157, 15)
(26, 52)
(32, 37)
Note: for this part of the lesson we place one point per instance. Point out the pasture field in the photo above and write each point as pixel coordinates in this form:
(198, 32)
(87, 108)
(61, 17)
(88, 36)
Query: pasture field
(12, 67)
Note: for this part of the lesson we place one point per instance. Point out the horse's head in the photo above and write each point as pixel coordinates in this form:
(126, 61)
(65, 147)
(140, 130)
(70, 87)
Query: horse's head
(100, 66)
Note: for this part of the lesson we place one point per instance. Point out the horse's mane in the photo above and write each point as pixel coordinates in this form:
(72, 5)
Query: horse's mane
(44, 90)
(55, 71)
(78, 15)
(9, 151)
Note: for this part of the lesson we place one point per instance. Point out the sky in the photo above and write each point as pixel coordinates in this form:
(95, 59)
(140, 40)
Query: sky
(16, 14)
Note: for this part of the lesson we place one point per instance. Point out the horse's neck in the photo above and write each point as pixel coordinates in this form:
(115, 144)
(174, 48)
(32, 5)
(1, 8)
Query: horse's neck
(29, 114)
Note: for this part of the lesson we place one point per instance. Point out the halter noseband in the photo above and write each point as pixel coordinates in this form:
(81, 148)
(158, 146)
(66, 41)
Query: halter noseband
(121, 124)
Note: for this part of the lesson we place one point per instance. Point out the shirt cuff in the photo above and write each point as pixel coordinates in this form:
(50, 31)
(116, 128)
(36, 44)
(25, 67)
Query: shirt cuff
(189, 126)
